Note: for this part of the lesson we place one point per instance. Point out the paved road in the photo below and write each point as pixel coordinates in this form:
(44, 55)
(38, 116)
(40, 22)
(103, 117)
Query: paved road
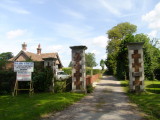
(108, 102)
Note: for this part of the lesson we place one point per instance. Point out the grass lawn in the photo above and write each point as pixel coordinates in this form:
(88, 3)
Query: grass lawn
(23, 107)
(149, 101)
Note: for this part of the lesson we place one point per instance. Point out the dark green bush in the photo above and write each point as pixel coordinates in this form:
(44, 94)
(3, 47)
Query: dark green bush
(90, 88)
(7, 81)
(69, 84)
(42, 80)
(88, 71)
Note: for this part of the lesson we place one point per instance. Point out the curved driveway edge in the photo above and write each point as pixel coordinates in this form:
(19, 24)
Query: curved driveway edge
(107, 102)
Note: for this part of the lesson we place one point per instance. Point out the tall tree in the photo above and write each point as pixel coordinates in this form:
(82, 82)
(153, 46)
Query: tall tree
(6, 55)
(121, 30)
(102, 63)
(116, 35)
(90, 60)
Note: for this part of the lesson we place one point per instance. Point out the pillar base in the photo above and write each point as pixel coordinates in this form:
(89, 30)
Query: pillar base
(79, 91)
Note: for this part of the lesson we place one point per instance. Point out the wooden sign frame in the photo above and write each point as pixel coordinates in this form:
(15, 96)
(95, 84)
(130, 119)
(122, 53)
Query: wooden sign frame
(27, 68)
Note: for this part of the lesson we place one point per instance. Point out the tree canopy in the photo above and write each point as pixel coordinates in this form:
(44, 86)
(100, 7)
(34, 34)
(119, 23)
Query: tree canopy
(121, 30)
(117, 52)
(102, 63)
(6, 55)
(90, 60)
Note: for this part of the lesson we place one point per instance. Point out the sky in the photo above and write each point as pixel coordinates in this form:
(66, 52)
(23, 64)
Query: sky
(58, 24)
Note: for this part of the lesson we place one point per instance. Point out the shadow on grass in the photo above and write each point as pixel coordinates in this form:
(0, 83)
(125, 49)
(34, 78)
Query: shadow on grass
(153, 86)
(153, 90)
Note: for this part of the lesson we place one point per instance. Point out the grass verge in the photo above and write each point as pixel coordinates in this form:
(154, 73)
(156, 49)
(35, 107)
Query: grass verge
(149, 101)
(23, 107)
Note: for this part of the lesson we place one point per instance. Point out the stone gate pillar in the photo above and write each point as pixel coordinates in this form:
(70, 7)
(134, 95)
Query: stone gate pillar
(78, 69)
(136, 67)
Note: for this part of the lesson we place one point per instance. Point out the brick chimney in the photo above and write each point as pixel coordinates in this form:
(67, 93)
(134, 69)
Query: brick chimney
(39, 49)
(24, 46)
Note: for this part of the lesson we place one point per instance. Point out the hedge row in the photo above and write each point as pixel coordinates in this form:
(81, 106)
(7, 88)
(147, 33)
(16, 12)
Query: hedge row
(42, 80)
(88, 71)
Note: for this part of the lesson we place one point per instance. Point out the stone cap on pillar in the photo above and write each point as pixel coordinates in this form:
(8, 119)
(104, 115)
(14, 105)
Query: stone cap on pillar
(81, 47)
(135, 45)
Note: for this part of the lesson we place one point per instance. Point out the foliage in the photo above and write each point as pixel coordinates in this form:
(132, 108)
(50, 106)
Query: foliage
(148, 101)
(42, 80)
(3, 59)
(6, 55)
(67, 70)
(89, 88)
(90, 60)
(23, 107)
(116, 35)
(59, 86)
(117, 61)
(94, 71)
(121, 30)
(102, 63)
(7, 80)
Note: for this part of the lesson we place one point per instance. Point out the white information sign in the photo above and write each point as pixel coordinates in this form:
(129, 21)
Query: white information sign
(23, 66)
(23, 76)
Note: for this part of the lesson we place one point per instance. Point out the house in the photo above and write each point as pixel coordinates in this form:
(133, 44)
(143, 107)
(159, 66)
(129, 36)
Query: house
(45, 59)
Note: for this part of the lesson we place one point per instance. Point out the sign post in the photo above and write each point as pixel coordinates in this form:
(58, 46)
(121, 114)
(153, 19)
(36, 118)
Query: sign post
(24, 73)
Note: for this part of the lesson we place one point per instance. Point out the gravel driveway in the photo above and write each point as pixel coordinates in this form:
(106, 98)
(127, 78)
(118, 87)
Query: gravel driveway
(107, 102)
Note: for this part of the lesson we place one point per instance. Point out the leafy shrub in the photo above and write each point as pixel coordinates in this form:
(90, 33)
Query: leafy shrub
(42, 80)
(69, 84)
(90, 88)
(88, 70)
(59, 86)
(7, 81)
(67, 70)
(96, 71)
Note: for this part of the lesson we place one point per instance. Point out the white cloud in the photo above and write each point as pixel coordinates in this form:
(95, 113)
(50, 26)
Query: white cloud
(153, 34)
(100, 41)
(74, 14)
(14, 8)
(71, 31)
(96, 52)
(153, 17)
(15, 33)
(55, 48)
(110, 7)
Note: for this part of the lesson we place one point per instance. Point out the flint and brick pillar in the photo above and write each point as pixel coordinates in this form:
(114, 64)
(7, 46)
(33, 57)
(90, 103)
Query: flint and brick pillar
(136, 67)
(78, 69)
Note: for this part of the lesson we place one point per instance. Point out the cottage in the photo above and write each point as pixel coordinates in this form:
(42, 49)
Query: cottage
(45, 59)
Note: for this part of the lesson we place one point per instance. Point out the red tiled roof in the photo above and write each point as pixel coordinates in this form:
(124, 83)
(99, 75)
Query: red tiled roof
(22, 56)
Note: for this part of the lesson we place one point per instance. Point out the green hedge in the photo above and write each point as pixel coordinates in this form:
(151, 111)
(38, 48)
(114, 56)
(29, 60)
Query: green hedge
(42, 80)
(68, 70)
(7, 80)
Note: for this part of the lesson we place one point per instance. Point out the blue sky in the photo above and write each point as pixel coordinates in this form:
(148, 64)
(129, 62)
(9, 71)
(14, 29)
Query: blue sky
(59, 24)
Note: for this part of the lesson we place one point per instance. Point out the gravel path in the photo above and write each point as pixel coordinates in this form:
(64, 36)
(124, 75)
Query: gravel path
(108, 102)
